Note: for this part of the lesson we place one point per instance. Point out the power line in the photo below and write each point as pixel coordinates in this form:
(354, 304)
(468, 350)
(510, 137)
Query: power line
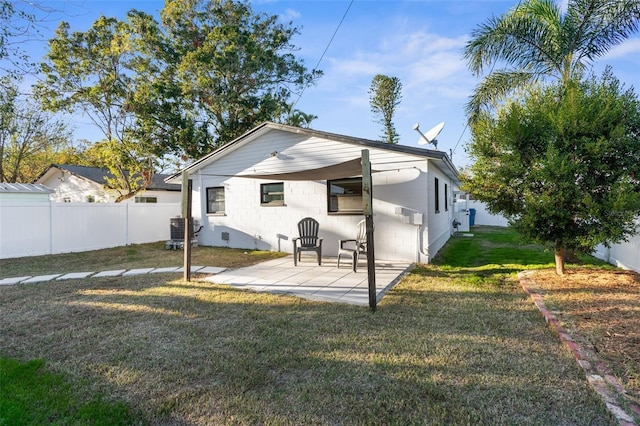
(323, 53)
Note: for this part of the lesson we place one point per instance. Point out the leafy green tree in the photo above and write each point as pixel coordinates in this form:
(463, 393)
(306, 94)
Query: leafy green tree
(236, 66)
(30, 139)
(100, 72)
(298, 118)
(562, 163)
(16, 25)
(385, 95)
(535, 41)
(164, 116)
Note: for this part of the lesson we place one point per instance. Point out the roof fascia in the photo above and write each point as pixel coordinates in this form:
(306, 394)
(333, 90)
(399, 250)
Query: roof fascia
(266, 126)
(45, 172)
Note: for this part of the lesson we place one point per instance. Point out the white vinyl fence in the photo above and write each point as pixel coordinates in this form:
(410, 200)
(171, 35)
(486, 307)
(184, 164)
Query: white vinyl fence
(624, 255)
(483, 217)
(33, 229)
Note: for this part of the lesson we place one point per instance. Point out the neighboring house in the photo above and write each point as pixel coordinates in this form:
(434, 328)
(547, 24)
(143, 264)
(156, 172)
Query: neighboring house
(81, 184)
(24, 193)
(242, 199)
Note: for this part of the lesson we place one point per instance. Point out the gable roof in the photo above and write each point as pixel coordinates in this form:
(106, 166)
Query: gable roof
(438, 156)
(99, 175)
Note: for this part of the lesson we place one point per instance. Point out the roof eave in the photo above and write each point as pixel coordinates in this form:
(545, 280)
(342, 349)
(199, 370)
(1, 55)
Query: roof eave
(266, 126)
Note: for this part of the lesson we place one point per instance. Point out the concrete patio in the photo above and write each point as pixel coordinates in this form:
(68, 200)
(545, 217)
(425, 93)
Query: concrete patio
(310, 281)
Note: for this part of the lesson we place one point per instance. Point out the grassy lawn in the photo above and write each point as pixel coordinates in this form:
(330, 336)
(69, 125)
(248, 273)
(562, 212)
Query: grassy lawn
(456, 342)
(33, 396)
(152, 255)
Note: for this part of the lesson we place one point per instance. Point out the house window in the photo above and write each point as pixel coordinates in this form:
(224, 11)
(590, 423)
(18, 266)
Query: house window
(146, 199)
(446, 197)
(436, 194)
(215, 200)
(345, 196)
(272, 194)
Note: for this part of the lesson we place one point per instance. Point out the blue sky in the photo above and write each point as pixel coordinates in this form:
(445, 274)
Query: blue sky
(418, 41)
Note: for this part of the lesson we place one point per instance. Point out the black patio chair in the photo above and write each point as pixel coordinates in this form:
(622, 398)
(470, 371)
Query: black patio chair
(308, 241)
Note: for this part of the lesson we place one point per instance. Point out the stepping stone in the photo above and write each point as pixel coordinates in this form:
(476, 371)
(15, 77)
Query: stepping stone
(164, 270)
(40, 279)
(211, 270)
(113, 273)
(74, 275)
(14, 280)
(193, 269)
(140, 271)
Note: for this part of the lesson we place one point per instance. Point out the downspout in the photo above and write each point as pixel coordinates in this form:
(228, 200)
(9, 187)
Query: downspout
(426, 219)
(202, 209)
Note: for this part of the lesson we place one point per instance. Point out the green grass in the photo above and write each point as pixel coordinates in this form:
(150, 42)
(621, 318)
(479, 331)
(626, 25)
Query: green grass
(457, 342)
(31, 395)
(152, 255)
(492, 247)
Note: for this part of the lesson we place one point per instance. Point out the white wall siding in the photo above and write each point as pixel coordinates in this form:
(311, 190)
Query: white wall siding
(402, 183)
(32, 229)
(440, 225)
(161, 196)
(75, 189)
(273, 227)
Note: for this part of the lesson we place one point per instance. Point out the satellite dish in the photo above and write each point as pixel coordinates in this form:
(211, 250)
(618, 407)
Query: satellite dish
(430, 136)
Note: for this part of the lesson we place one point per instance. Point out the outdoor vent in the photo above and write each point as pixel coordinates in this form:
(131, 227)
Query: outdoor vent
(225, 236)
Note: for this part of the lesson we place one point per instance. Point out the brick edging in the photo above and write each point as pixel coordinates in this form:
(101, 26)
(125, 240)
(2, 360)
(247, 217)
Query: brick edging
(598, 375)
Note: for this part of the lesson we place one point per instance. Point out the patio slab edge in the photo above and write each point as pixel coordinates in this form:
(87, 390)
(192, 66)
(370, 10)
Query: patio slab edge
(395, 281)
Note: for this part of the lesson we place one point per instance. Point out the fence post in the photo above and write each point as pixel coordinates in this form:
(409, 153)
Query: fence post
(50, 226)
(126, 223)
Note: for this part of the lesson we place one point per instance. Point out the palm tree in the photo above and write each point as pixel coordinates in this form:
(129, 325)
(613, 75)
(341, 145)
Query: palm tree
(385, 95)
(536, 41)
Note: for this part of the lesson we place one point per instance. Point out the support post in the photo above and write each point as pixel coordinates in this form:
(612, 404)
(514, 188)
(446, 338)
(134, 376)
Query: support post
(187, 186)
(367, 209)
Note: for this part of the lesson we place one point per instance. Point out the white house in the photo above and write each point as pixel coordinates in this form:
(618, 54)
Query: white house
(249, 194)
(82, 184)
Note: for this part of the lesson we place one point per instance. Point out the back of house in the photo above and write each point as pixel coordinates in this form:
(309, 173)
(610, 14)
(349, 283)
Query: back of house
(252, 192)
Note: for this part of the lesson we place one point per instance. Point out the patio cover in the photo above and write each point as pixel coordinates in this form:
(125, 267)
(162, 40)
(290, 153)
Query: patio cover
(345, 169)
(335, 171)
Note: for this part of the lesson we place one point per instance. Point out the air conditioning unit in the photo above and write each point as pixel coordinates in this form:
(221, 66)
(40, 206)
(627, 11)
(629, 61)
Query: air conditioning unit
(176, 233)
(177, 228)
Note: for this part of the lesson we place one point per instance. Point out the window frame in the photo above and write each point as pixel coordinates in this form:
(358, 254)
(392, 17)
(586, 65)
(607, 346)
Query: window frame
(271, 203)
(436, 194)
(209, 201)
(333, 198)
(446, 197)
(145, 200)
